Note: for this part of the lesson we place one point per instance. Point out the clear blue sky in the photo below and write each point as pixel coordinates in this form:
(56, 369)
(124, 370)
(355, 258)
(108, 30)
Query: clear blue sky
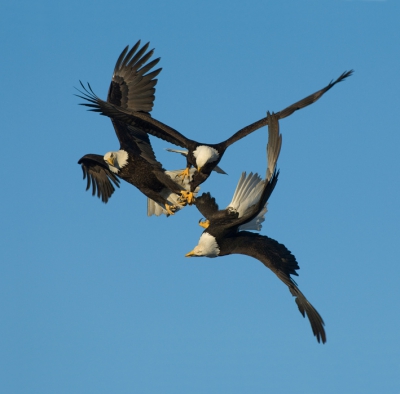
(99, 298)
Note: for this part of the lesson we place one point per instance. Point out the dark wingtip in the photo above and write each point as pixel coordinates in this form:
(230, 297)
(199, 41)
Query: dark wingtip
(342, 77)
(348, 73)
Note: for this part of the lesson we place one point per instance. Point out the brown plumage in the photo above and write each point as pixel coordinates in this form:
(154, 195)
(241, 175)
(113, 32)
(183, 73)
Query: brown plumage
(132, 84)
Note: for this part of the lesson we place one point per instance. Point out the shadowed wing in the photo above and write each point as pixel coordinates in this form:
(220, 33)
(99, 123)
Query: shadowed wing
(136, 119)
(132, 139)
(209, 209)
(131, 95)
(282, 263)
(98, 176)
(131, 88)
(206, 205)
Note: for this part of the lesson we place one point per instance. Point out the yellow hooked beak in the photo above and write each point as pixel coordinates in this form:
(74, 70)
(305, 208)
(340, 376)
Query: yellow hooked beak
(199, 169)
(204, 223)
(110, 161)
(190, 254)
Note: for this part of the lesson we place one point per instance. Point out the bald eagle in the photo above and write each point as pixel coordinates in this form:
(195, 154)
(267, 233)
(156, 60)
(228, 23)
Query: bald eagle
(133, 86)
(204, 157)
(225, 230)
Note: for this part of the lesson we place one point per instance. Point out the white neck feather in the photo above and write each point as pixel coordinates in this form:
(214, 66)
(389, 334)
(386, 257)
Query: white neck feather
(205, 154)
(120, 160)
(207, 246)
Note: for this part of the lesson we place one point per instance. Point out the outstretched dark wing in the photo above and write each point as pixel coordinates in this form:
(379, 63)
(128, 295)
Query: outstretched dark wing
(99, 176)
(305, 308)
(131, 95)
(276, 257)
(131, 88)
(312, 98)
(138, 119)
(282, 263)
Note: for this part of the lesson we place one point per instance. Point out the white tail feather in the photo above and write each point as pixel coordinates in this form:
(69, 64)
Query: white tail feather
(154, 208)
(255, 224)
(248, 192)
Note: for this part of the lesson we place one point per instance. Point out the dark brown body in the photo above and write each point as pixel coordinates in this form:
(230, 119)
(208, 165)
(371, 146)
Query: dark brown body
(132, 86)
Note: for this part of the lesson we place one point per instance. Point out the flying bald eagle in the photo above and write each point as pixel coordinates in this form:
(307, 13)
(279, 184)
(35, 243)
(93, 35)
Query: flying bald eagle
(225, 233)
(132, 86)
(203, 157)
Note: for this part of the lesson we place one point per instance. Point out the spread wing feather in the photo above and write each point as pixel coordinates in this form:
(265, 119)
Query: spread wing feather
(282, 263)
(312, 98)
(98, 176)
(131, 88)
(137, 119)
(131, 95)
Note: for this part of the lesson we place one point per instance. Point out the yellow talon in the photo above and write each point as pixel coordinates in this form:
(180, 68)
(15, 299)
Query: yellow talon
(204, 223)
(171, 209)
(182, 202)
(184, 174)
(187, 197)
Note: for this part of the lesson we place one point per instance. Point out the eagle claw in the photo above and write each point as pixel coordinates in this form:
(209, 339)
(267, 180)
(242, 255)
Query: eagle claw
(171, 209)
(183, 174)
(187, 197)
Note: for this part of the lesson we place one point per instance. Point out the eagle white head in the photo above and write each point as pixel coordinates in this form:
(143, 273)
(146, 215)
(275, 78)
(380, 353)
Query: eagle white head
(116, 160)
(204, 154)
(206, 247)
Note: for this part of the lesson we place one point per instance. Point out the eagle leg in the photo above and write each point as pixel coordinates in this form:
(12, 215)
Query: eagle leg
(183, 174)
(204, 223)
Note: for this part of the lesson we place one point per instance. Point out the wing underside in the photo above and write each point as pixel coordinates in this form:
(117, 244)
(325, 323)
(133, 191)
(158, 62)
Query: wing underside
(98, 176)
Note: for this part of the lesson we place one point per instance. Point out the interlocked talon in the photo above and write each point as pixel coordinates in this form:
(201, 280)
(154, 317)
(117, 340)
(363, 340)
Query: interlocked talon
(204, 223)
(181, 202)
(171, 209)
(184, 174)
(187, 196)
